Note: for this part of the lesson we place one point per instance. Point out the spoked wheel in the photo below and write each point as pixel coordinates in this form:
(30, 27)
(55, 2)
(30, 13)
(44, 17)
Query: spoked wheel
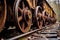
(2, 14)
(23, 16)
(38, 17)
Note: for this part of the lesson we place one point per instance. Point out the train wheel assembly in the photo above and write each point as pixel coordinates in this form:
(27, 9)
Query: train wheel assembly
(39, 22)
(23, 16)
(2, 14)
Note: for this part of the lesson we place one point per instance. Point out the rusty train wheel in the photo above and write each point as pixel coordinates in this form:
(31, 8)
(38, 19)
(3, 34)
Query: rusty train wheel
(39, 22)
(2, 14)
(23, 16)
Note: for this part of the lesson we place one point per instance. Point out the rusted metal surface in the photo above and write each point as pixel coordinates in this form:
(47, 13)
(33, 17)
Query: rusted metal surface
(24, 18)
(24, 13)
(3, 13)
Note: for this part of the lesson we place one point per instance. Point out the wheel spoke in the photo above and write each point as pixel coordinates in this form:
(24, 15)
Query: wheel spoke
(19, 18)
(40, 24)
(23, 5)
(22, 26)
(21, 10)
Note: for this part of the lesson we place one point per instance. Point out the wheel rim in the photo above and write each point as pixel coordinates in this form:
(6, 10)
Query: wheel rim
(3, 14)
(24, 17)
(39, 22)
